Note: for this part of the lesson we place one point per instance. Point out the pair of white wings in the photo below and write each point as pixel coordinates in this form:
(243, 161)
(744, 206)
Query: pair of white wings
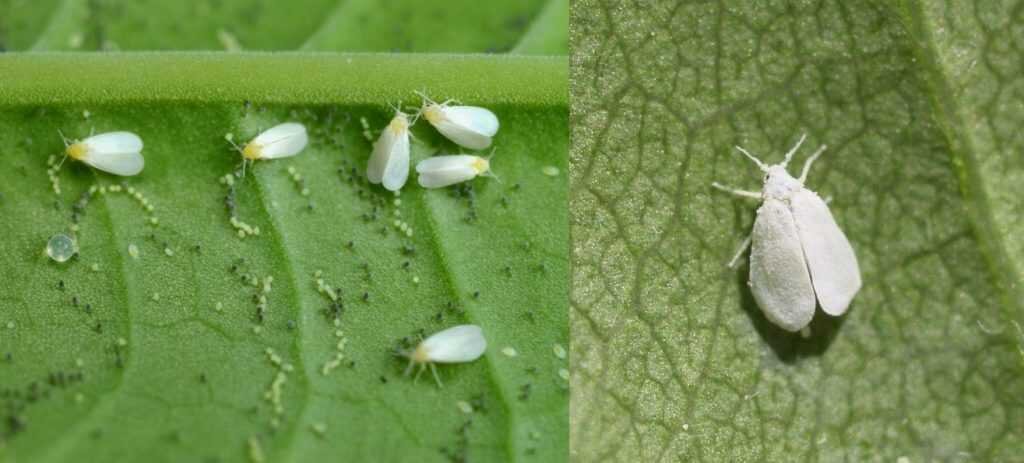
(282, 140)
(389, 163)
(462, 343)
(468, 126)
(799, 255)
(118, 153)
(441, 171)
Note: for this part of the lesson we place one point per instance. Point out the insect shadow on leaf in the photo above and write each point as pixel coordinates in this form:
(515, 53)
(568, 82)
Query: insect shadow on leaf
(788, 347)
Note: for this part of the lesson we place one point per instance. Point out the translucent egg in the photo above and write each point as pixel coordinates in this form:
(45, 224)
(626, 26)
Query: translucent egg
(61, 247)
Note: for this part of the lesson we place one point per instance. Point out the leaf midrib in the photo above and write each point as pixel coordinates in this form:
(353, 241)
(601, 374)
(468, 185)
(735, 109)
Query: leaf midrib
(284, 78)
(288, 267)
(453, 289)
(73, 435)
(948, 111)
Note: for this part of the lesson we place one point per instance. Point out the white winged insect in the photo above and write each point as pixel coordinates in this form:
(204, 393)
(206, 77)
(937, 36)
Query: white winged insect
(458, 344)
(389, 163)
(468, 126)
(798, 253)
(442, 171)
(280, 141)
(119, 153)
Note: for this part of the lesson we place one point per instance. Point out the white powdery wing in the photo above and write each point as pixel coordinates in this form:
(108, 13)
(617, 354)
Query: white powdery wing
(126, 164)
(835, 273)
(463, 136)
(379, 158)
(118, 153)
(443, 162)
(468, 126)
(282, 140)
(778, 272)
(462, 343)
(396, 171)
(442, 171)
(479, 120)
(114, 142)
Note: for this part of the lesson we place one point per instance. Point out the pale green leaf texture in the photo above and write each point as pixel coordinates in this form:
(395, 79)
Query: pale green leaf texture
(920, 103)
(160, 354)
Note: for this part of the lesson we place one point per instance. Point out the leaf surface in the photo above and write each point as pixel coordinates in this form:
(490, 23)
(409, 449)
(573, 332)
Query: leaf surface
(920, 105)
(162, 357)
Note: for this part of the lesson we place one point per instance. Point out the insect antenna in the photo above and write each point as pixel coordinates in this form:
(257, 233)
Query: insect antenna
(792, 151)
(810, 160)
(760, 165)
(490, 172)
(65, 140)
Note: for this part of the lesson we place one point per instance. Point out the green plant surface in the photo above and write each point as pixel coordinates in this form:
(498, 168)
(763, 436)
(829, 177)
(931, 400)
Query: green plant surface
(294, 78)
(163, 306)
(20, 24)
(463, 26)
(549, 33)
(920, 104)
(411, 26)
(163, 357)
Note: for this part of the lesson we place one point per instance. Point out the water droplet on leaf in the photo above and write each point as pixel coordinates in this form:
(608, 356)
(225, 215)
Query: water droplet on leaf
(61, 247)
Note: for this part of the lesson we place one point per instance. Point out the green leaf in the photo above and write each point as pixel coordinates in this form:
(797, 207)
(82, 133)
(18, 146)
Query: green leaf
(115, 357)
(451, 26)
(920, 105)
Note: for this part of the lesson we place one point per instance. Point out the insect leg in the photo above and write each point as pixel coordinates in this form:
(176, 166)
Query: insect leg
(437, 378)
(739, 252)
(743, 193)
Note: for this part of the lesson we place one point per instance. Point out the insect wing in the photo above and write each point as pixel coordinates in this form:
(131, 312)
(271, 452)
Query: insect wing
(389, 163)
(835, 273)
(441, 171)
(114, 142)
(476, 119)
(463, 343)
(282, 140)
(468, 126)
(396, 172)
(778, 273)
(118, 153)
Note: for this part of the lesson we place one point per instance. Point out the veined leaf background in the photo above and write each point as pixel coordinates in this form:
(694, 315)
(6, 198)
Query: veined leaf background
(162, 357)
(921, 104)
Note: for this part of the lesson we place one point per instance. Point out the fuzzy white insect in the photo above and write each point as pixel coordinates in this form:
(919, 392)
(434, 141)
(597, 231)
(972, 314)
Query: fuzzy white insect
(798, 253)
(468, 126)
(119, 153)
(280, 141)
(441, 171)
(389, 163)
(458, 344)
